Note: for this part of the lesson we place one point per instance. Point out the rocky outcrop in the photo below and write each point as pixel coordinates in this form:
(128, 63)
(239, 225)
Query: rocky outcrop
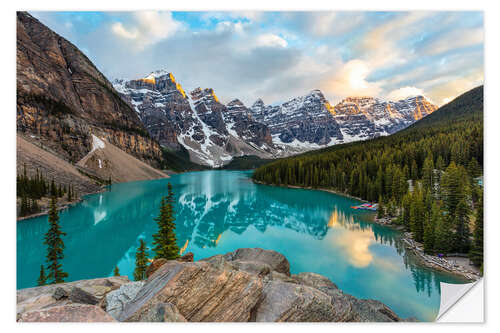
(86, 292)
(62, 98)
(244, 285)
(67, 313)
(116, 299)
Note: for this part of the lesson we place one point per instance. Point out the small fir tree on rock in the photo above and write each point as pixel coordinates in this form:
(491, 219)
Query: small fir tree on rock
(141, 261)
(116, 271)
(55, 246)
(165, 240)
(42, 279)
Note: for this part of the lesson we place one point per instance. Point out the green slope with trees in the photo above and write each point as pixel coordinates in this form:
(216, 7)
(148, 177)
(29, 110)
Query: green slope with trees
(424, 176)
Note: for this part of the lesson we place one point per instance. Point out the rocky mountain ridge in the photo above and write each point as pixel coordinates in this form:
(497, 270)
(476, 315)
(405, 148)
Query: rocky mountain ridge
(62, 98)
(215, 133)
(212, 132)
(245, 285)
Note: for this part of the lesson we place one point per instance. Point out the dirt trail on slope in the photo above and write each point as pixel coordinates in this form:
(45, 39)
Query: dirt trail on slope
(108, 161)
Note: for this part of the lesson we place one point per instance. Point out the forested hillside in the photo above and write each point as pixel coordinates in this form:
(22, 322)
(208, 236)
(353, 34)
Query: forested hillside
(425, 175)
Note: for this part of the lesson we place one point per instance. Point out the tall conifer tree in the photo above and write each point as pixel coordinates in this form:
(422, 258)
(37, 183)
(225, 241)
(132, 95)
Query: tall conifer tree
(55, 246)
(165, 240)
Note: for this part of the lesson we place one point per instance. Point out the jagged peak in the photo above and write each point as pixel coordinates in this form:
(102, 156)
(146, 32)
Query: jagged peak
(258, 103)
(200, 93)
(316, 92)
(235, 102)
(159, 72)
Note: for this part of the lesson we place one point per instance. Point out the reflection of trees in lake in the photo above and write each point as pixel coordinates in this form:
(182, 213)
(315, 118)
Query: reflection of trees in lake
(425, 279)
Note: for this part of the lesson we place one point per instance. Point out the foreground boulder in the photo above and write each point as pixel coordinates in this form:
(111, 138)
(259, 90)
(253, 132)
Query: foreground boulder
(200, 292)
(83, 291)
(244, 285)
(67, 313)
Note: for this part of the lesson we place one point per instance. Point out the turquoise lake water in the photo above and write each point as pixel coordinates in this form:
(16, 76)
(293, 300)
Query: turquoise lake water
(220, 211)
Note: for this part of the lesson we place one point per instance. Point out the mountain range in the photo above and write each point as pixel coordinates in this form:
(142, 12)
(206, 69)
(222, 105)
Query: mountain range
(214, 133)
(65, 105)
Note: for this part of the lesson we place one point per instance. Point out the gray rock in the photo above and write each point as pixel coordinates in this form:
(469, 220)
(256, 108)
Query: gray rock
(200, 291)
(314, 280)
(368, 310)
(60, 293)
(79, 295)
(116, 299)
(163, 312)
(291, 302)
(43, 297)
(255, 267)
(275, 260)
(67, 313)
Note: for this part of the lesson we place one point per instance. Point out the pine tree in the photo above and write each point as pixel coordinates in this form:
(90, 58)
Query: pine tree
(380, 209)
(53, 189)
(417, 216)
(116, 271)
(70, 197)
(55, 246)
(42, 279)
(443, 233)
(24, 206)
(429, 229)
(476, 253)
(165, 240)
(427, 173)
(462, 231)
(141, 261)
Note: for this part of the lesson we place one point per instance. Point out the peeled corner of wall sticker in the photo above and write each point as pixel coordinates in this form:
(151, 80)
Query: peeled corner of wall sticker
(462, 303)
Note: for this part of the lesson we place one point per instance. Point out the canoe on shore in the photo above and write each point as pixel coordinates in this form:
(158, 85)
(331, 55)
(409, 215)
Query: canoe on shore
(366, 206)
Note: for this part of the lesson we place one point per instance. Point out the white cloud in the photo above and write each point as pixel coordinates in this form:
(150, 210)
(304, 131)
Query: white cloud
(271, 40)
(404, 92)
(350, 80)
(147, 27)
(120, 30)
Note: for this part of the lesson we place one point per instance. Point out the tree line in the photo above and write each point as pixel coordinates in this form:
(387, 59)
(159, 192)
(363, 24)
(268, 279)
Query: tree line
(31, 189)
(425, 177)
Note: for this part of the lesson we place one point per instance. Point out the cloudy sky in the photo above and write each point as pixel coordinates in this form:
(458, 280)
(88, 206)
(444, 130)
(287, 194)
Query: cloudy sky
(280, 55)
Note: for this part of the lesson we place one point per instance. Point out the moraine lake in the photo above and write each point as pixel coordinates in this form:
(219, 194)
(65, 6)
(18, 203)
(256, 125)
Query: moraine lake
(220, 211)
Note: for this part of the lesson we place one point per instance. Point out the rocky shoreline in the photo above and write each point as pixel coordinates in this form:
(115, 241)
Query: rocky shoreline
(429, 260)
(247, 285)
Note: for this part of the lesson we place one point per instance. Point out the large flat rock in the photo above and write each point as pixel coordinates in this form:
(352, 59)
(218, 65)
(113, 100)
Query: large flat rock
(199, 291)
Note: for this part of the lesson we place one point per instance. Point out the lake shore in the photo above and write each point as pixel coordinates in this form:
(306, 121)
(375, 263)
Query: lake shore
(312, 188)
(449, 264)
(60, 206)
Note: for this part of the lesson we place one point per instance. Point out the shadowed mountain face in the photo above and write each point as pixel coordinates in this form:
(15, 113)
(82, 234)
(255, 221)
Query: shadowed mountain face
(62, 98)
